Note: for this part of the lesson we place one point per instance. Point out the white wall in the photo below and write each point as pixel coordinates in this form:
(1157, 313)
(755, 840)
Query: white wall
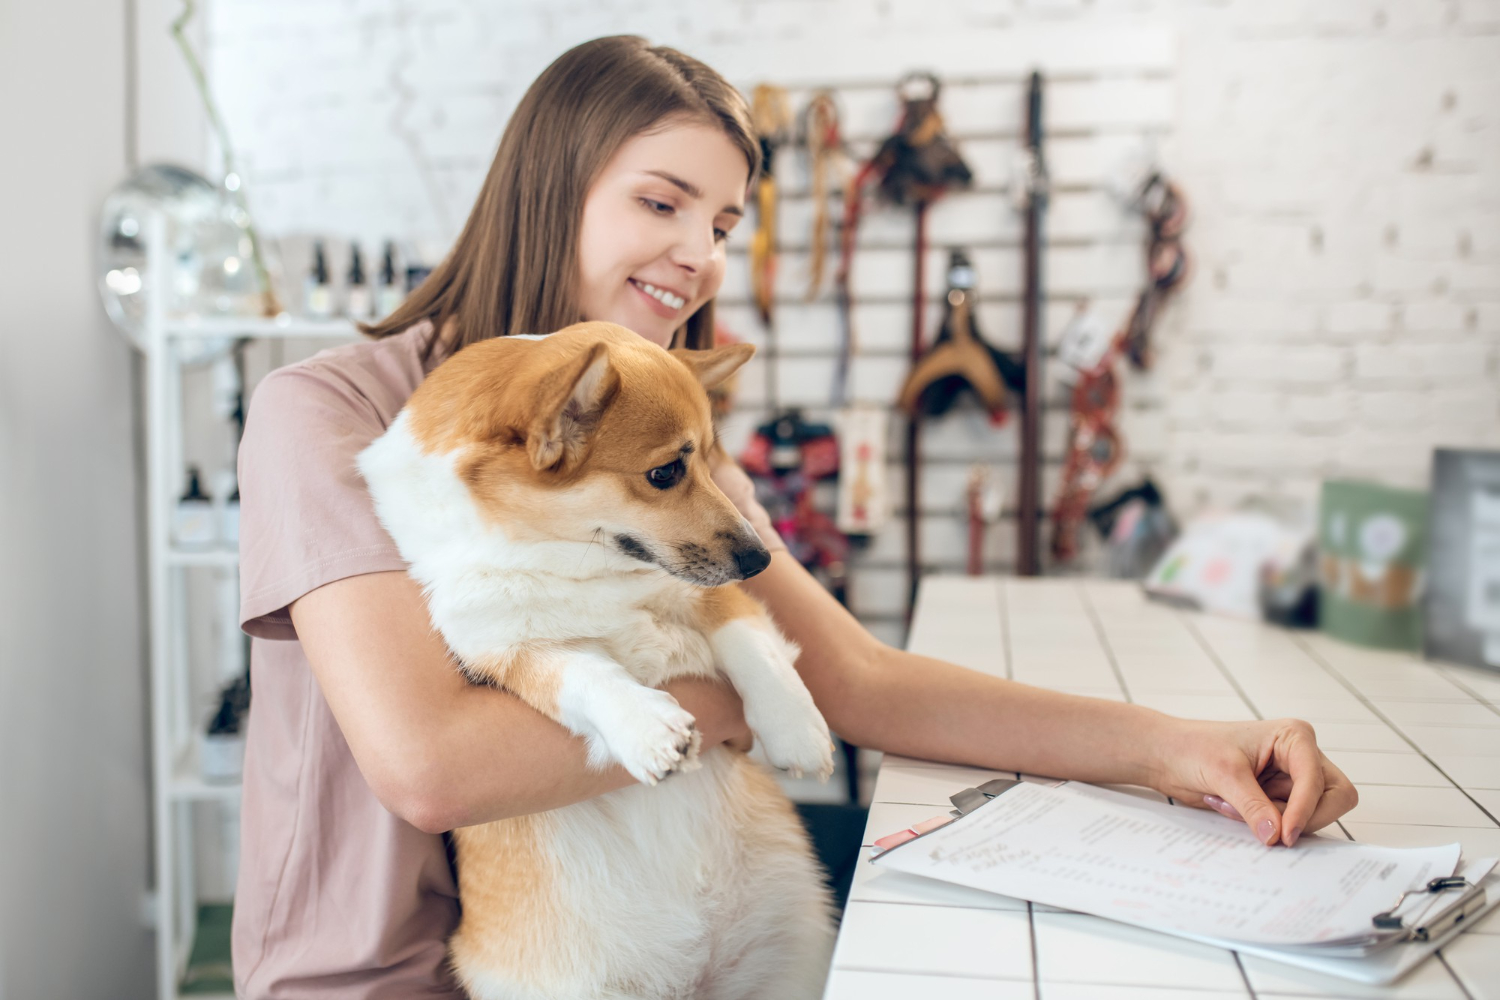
(73, 838)
(1343, 158)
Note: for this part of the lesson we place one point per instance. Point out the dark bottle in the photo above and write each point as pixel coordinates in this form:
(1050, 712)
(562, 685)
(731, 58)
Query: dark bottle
(357, 295)
(388, 293)
(318, 298)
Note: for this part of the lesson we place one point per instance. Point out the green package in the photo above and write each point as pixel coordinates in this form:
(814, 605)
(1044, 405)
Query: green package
(1372, 555)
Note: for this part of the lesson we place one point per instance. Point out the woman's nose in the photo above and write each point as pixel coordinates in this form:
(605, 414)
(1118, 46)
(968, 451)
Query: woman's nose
(695, 251)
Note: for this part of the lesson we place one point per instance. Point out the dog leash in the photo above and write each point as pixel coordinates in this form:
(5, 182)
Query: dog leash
(825, 152)
(771, 115)
(1095, 447)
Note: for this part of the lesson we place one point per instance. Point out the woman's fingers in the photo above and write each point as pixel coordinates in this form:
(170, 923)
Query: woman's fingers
(1243, 794)
(1223, 808)
(1296, 753)
(1275, 779)
(1339, 796)
(1277, 787)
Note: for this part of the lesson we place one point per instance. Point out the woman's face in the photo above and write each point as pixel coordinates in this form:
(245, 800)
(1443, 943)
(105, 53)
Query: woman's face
(652, 245)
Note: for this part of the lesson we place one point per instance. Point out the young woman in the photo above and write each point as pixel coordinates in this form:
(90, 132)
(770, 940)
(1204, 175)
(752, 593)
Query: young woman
(614, 190)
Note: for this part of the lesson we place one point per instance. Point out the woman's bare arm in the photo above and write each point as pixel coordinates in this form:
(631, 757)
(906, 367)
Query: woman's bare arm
(900, 702)
(436, 750)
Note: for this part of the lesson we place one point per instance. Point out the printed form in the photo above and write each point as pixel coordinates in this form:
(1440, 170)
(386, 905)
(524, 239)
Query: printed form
(1170, 868)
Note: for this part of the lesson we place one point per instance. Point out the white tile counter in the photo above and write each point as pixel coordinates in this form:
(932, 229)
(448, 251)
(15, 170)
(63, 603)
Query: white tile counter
(1420, 740)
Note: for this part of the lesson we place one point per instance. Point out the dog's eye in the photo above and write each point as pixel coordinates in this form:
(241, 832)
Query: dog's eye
(664, 477)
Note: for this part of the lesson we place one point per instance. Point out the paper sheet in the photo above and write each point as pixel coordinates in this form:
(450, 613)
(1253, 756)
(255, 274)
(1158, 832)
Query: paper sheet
(1379, 967)
(1167, 867)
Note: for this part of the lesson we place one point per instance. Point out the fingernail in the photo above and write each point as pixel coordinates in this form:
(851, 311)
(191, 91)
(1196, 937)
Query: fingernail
(1291, 838)
(1266, 830)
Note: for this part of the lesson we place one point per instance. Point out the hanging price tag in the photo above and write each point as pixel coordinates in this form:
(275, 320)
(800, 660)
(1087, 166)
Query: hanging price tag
(1085, 341)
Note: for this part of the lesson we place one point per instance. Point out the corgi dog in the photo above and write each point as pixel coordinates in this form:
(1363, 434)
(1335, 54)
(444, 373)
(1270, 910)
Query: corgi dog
(552, 496)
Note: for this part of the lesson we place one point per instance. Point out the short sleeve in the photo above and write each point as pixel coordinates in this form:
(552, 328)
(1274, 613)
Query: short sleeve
(736, 484)
(306, 517)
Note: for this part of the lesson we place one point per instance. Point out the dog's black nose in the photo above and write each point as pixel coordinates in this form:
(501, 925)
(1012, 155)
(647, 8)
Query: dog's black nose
(751, 561)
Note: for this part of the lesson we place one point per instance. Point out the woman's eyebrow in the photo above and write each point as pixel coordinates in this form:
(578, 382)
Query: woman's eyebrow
(691, 190)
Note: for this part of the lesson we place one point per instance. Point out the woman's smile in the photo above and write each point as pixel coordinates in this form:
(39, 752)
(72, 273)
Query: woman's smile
(662, 301)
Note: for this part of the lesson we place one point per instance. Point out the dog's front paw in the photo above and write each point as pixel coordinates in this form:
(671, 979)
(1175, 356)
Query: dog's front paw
(652, 736)
(797, 741)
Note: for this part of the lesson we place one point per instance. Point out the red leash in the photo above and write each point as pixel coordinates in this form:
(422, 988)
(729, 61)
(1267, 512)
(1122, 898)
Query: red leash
(1096, 448)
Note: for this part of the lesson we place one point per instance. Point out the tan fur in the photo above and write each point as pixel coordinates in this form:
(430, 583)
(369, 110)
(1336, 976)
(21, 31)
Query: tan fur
(506, 887)
(528, 671)
(486, 400)
(724, 604)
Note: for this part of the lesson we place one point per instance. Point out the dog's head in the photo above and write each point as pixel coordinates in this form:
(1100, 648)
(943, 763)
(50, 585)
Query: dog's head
(593, 435)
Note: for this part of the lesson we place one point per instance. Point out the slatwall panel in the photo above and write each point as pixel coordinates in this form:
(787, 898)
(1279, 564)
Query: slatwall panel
(1093, 251)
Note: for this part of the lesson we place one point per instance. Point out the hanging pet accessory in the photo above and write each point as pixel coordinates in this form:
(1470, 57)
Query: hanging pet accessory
(1095, 447)
(771, 114)
(984, 502)
(960, 359)
(827, 159)
(1166, 212)
(914, 166)
(1030, 189)
(790, 456)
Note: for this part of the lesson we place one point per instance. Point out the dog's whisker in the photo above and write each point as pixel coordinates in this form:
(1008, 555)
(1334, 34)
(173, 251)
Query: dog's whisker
(589, 547)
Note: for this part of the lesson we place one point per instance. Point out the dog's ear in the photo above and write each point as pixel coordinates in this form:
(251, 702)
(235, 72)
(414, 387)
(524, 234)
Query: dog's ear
(716, 364)
(569, 402)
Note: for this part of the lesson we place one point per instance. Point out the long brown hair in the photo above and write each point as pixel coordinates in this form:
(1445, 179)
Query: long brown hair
(514, 268)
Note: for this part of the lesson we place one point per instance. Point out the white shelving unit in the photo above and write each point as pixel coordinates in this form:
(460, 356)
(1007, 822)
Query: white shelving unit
(175, 719)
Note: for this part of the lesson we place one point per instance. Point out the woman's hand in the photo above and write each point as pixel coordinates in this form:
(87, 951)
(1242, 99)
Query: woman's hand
(1269, 774)
(716, 709)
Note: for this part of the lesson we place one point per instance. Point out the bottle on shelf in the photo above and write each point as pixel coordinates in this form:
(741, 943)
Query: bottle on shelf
(388, 294)
(317, 301)
(415, 275)
(193, 525)
(357, 296)
(221, 750)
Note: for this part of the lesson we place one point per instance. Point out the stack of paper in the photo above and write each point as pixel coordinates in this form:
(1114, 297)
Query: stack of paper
(1193, 873)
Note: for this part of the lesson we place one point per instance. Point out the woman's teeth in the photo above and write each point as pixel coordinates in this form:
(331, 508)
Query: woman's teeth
(664, 297)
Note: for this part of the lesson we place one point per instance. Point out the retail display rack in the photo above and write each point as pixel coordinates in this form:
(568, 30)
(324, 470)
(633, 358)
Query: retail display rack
(175, 717)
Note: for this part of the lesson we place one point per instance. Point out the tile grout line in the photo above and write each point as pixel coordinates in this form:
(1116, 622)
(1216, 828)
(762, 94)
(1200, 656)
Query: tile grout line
(1244, 976)
(1109, 651)
(1010, 671)
(926, 973)
(1036, 972)
(1364, 699)
(1467, 690)
(1462, 986)
(938, 906)
(1223, 668)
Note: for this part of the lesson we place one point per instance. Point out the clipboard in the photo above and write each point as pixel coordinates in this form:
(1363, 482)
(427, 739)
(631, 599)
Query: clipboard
(1399, 936)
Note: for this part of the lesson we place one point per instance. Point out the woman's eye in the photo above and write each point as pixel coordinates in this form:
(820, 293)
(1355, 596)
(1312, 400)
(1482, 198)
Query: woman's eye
(721, 235)
(664, 477)
(659, 207)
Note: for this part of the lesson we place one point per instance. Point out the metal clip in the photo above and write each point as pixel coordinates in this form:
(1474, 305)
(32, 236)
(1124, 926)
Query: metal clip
(1451, 915)
(1389, 921)
(970, 799)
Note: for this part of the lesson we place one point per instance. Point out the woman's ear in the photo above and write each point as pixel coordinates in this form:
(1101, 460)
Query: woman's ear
(716, 364)
(569, 403)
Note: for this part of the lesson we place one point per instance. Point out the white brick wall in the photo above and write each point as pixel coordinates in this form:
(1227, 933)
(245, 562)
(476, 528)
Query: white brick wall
(1343, 160)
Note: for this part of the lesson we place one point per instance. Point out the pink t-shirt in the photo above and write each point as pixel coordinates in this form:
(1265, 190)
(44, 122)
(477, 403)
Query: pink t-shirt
(337, 897)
